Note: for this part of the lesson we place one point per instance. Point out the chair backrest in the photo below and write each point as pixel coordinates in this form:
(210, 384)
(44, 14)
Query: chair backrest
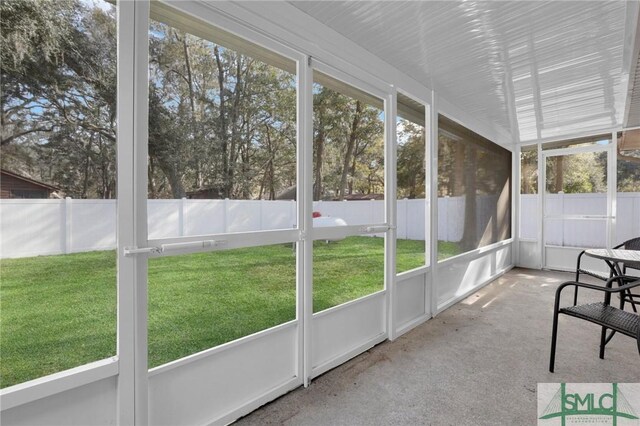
(632, 244)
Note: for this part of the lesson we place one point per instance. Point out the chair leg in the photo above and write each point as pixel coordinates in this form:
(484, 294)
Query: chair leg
(575, 297)
(631, 299)
(554, 336)
(603, 341)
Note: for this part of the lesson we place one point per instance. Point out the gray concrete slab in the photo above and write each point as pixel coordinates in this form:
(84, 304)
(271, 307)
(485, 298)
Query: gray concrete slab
(477, 363)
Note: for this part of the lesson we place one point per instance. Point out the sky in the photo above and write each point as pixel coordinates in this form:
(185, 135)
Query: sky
(101, 4)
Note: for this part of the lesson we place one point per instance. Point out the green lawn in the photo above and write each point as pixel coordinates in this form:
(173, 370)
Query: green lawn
(59, 312)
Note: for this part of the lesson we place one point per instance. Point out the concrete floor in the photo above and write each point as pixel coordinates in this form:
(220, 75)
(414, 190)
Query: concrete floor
(477, 363)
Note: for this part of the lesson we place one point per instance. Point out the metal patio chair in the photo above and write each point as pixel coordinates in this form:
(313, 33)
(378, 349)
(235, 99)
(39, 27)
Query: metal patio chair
(601, 313)
(632, 244)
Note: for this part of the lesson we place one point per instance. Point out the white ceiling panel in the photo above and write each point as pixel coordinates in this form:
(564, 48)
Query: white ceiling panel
(540, 69)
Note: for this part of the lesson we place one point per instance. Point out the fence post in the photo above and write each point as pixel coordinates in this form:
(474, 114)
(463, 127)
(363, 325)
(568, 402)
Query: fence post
(181, 216)
(406, 218)
(445, 217)
(225, 215)
(67, 225)
(260, 213)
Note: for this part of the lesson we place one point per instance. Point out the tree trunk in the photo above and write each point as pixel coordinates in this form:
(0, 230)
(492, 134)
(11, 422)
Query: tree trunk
(192, 103)
(222, 129)
(175, 182)
(351, 143)
(150, 177)
(353, 174)
(458, 173)
(319, 153)
(469, 236)
(233, 122)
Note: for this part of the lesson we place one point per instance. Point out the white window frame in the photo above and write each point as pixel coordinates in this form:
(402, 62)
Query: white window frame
(612, 179)
(427, 186)
(480, 250)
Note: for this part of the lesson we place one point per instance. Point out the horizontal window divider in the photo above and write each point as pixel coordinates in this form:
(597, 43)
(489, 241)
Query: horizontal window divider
(553, 246)
(210, 23)
(220, 348)
(334, 232)
(420, 270)
(42, 387)
(579, 217)
(367, 91)
(576, 135)
(477, 252)
(527, 240)
(575, 150)
(346, 305)
(214, 242)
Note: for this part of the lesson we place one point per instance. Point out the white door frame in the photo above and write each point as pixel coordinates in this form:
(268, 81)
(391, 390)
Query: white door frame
(609, 217)
(132, 111)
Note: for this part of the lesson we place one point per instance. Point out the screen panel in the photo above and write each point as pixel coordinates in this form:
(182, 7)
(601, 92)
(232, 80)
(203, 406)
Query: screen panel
(58, 185)
(474, 190)
(411, 172)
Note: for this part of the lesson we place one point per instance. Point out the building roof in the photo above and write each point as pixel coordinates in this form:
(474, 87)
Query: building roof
(28, 179)
(363, 197)
(630, 140)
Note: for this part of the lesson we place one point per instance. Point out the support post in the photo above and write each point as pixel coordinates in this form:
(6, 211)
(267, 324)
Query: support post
(390, 197)
(515, 206)
(612, 190)
(542, 188)
(304, 305)
(432, 145)
(132, 110)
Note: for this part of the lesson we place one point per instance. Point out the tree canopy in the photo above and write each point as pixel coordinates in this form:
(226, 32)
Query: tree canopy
(219, 120)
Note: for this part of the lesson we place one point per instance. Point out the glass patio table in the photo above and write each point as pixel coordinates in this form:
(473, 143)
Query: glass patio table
(614, 258)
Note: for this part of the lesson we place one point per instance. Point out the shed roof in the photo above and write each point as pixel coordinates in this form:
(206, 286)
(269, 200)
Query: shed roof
(28, 179)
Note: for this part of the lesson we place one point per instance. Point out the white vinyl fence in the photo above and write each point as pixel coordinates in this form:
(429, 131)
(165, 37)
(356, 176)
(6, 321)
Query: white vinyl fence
(580, 232)
(33, 227)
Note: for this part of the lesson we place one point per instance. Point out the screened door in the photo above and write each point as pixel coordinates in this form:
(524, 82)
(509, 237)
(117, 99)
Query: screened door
(577, 204)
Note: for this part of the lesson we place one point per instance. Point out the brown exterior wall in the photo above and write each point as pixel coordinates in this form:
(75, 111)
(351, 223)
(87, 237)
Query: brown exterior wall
(10, 183)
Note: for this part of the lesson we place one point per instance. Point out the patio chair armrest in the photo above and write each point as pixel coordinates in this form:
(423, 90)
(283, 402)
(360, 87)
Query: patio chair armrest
(634, 282)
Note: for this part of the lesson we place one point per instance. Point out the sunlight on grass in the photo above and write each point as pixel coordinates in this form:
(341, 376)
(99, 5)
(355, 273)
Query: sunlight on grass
(59, 312)
(199, 301)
